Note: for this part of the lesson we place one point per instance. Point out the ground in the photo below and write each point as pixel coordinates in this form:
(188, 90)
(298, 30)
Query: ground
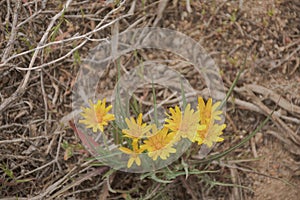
(43, 46)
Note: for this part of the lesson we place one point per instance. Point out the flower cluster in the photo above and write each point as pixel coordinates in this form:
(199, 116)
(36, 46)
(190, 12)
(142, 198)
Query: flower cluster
(197, 126)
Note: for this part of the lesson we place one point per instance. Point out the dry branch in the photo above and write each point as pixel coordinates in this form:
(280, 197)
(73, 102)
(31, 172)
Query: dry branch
(22, 87)
(13, 32)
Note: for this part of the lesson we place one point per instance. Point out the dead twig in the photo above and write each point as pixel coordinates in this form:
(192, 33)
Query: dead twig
(13, 31)
(287, 58)
(283, 103)
(237, 191)
(161, 7)
(54, 61)
(288, 143)
(229, 165)
(235, 130)
(22, 139)
(296, 66)
(189, 190)
(79, 180)
(54, 186)
(22, 87)
(29, 18)
(275, 119)
(253, 147)
(45, 100)
(188, 6)
(86, 36)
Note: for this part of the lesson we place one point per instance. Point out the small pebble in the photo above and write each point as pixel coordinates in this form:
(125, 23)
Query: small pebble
(258, 138)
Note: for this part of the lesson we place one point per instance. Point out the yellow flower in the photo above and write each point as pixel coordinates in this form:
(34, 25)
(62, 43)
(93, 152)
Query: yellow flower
(134, 154)
(96, 117)
(174, 120)
(210, 134)
(136, 129)
(208, 112)
(159, 144)
(185, 125)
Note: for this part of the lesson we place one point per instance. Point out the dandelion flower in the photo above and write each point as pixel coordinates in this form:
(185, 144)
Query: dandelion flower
(185, 125)
(210, 134)
(208, 112)
(134, 154)
(174, 120)
(159, 144)
(96, 117)
(136, 129)
(209, 131)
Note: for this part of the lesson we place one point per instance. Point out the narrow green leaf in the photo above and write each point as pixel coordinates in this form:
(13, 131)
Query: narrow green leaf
(183, 94)
(155, 105)
(233, 85)
(154, 177)
(185, 167)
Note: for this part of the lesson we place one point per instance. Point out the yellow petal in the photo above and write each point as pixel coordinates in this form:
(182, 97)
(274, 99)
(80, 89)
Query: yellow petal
(216, 106)
(130, 162)
(138, 161)
(125, 150)
(140, 119)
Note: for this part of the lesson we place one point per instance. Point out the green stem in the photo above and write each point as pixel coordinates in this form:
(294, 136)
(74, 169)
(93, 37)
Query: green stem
(233, 84)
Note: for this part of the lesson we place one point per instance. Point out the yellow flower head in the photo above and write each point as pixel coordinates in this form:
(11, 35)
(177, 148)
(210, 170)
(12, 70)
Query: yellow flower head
(96, 117)
(210, 134)
(174, 120)
(136, 129)
(185, 125)
(134, 154)
(208, 112)
(159, 144)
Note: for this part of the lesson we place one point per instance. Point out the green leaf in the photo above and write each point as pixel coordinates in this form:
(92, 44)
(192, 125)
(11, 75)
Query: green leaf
(183, 95)
(7, 171)
(154, 177)
(155, 106)
(24, 180)
(233, 84)
(185, 167)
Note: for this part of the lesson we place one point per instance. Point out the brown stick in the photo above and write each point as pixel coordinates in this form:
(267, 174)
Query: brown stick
(22, 87)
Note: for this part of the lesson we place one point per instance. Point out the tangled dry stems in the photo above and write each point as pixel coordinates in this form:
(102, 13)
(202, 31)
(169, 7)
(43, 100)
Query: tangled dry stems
(37, 75)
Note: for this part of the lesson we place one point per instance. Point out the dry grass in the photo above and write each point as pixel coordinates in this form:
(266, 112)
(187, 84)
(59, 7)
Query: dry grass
(42, 43)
